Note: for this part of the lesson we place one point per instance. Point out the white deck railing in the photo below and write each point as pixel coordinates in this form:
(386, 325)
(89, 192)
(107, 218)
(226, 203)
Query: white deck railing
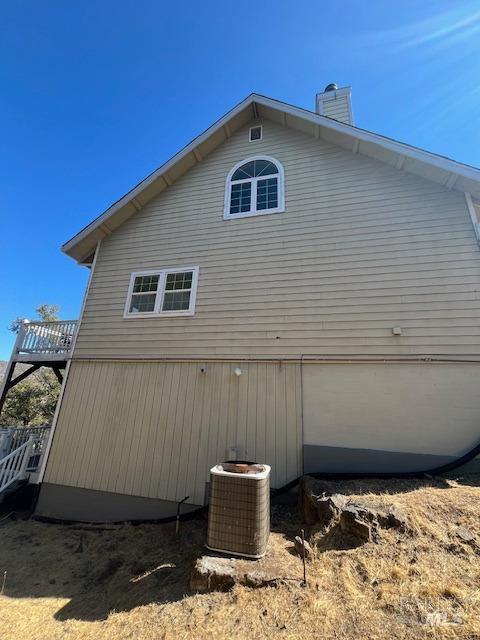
(14, 466)
(46, 337)
(20, 435)
(13, 441)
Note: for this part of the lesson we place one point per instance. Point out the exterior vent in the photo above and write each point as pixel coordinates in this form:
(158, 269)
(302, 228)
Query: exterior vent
(239, 509)
(255, 133)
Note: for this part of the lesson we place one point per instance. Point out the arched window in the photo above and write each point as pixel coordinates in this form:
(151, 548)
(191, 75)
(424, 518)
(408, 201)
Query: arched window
(254, 187)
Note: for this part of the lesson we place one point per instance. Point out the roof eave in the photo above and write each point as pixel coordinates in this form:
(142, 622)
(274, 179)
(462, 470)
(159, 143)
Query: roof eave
(455, 175)
(131, 198)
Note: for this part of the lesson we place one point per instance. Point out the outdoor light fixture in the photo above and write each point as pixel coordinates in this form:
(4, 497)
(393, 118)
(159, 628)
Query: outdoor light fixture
(237, 371)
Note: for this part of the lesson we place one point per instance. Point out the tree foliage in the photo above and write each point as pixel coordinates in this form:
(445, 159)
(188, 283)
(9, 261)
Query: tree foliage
(32, 401)
(45, 313)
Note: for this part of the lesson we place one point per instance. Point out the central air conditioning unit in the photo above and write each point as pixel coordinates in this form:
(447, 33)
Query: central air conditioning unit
(239, 509)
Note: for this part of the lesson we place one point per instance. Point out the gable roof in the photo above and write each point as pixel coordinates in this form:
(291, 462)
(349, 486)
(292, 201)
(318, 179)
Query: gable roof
(452, 174)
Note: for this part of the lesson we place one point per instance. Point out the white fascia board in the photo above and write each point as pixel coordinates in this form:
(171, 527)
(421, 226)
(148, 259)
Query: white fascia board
(366, 136)
(473, 216)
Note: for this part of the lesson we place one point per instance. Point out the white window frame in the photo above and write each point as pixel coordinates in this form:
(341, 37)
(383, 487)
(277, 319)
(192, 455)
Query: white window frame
(255, 126)
(160, 293)
(280, 176)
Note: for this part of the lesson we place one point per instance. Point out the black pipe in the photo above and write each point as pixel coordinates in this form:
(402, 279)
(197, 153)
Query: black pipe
(179, 504)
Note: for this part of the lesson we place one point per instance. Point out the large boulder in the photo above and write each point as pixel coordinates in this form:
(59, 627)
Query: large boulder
(335, 510)
(218, 571)
(319, 508)
(215, 573)
(360, 522)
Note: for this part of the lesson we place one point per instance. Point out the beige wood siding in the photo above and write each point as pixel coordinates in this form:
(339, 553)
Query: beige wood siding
(337, 109)
(419, 408)
(155, 429)
(362, 247)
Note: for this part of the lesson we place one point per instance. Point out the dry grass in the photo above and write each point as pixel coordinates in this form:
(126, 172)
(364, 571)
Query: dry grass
(132, 582)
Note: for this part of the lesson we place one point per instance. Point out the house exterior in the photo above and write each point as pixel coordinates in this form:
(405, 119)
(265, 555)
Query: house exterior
(288, 289)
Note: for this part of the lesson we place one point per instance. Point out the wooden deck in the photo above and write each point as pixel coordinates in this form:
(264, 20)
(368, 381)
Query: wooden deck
(45, 341)
(40, 344)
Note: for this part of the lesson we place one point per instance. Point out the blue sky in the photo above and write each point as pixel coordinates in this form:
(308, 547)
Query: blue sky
(97, 94)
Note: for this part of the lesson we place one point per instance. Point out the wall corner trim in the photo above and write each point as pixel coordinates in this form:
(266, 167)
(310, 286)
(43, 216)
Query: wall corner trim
(473, 216)
(67, 370)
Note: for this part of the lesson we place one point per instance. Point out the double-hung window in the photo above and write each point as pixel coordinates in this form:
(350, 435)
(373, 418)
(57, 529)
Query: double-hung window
(254, 187)
(165, 292)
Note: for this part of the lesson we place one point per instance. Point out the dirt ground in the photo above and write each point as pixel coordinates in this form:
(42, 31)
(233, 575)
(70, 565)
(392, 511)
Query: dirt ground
(125, 581)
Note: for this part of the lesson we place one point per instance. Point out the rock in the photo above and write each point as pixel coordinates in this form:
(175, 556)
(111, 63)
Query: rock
(393, 519)
(441, 619)
(302, 546)
(465, 534)
(329, 508)
(320, 509)
(308, 500)
(212, 573)
(332, 510)
(359, 522)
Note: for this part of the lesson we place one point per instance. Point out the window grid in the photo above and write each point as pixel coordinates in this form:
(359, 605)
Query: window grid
(182, 280)
(253, 195)
(144, 294)
(178, 290)
(255, 169)
(241, 197)
(144, 284)
(143, 303)
(176, 300)
(254, 187)
(267, 194)
(165, 292)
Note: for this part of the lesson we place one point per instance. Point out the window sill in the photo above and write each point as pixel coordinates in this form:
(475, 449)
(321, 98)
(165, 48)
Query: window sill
(165, 314)
(251, 214)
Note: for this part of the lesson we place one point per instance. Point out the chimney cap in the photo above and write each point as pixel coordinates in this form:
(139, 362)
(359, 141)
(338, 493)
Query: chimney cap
(331, 87)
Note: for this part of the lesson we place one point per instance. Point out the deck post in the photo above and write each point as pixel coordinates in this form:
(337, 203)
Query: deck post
(58, 373)
(26, 457)
(5, 385)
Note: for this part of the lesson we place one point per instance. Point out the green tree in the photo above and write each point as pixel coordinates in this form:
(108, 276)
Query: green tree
(33, 401)
(28, 403)
(45, 313)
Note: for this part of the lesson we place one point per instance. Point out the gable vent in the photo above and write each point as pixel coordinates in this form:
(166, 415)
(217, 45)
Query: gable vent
(255, 133)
